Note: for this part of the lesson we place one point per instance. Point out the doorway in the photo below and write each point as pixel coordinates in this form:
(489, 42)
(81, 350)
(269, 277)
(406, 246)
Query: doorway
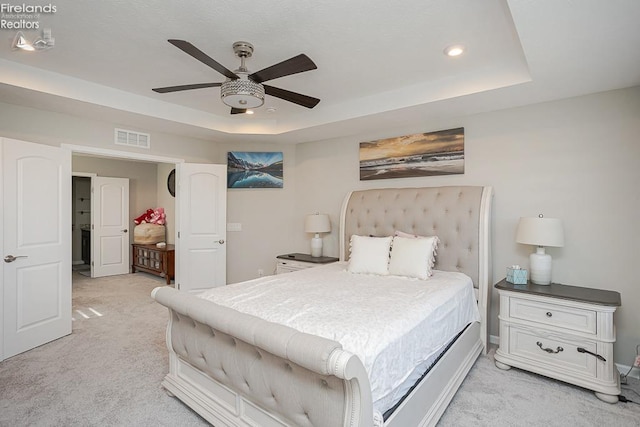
(81, 224)
(101, 238)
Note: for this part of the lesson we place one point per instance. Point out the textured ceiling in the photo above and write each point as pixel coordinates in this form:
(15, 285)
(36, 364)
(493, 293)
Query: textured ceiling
(379, 62)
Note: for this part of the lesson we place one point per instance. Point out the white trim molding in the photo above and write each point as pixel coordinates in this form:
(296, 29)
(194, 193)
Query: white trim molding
(106, 152)
(494, 339)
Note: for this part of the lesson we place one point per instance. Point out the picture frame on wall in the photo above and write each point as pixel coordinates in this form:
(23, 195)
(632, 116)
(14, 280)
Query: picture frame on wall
(416, 155)
(247, 169)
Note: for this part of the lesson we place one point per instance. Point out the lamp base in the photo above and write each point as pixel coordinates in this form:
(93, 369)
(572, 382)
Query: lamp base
(540, 266)
(316, 246)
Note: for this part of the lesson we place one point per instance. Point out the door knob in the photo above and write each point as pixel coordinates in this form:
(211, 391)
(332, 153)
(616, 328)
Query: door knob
(11, 258)
(221, 241)
(125, 230)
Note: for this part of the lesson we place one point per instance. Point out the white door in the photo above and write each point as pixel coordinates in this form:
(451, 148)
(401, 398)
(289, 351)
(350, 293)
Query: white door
(36, 227)
(110, 226)
(201, 217)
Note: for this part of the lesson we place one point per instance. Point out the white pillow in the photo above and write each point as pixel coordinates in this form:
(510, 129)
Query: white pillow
(399, 233)
(413, 257)
(369, 255)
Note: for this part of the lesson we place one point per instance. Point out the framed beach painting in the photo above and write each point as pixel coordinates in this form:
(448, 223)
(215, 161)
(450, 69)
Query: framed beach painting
(247, 169)
(420, 154)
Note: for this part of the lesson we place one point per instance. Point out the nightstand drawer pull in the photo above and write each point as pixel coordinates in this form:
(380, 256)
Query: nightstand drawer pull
(550, 350)
(597, 356)
(549, 314)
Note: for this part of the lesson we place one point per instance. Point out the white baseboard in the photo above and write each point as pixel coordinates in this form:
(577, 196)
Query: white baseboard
(494, 339)
(77, 262)
(623, 369)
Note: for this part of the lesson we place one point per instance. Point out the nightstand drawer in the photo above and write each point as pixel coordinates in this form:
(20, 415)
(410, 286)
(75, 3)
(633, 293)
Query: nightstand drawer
(293, 265)
(553, 351)
(576, 319)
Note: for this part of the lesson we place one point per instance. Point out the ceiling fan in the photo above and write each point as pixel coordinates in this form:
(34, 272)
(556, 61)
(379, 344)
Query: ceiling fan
(241, 90)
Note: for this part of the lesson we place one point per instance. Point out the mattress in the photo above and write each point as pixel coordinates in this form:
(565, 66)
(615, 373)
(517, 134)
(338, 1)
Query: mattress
(395, 325)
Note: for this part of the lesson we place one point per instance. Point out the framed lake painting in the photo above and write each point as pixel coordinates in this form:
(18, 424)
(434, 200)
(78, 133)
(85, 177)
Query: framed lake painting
(420, 154)
(254, 169)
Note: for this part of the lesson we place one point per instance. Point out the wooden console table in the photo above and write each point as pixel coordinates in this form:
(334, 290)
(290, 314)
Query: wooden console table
(154, 260)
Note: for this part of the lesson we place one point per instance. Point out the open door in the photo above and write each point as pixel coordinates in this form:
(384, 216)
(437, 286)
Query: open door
(36, 245)
(201, 217)
(110, 233)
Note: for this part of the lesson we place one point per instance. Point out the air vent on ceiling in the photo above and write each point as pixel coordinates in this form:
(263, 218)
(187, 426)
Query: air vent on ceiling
(132, 139)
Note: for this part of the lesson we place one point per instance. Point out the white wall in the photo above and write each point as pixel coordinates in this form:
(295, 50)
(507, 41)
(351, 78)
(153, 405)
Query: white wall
(575, 159)
(267, 217)
(51, 128)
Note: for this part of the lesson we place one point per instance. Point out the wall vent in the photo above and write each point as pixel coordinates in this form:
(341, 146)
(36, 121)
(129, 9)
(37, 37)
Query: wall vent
(132, 139)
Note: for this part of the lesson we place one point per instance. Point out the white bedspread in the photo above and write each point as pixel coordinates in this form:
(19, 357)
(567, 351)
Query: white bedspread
(391, 323)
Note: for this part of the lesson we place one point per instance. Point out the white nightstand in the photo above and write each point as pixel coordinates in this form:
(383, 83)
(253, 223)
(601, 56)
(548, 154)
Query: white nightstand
(293, 262)
(562, 332)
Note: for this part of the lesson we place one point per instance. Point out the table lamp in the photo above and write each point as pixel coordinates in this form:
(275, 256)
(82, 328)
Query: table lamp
(540, 232)
(317, 223)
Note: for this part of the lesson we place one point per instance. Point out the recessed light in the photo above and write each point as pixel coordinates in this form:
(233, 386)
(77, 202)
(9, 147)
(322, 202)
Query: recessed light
(249, 112)
(271, 110)
(454, 50)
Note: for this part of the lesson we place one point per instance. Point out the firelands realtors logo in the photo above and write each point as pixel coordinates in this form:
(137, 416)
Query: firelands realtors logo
(23, 16)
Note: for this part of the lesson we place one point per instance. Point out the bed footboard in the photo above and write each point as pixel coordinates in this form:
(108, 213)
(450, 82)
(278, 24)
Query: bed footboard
(235, 369)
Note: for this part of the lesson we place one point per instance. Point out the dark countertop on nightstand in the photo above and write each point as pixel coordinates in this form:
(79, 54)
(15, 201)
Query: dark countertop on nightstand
(308, 258)
(557, 290)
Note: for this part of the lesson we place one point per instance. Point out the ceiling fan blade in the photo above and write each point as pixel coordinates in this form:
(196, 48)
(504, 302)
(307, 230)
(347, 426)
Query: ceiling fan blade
(296, 98)
(238, 110)
(297, 64)
(190, 49)
(184, 87)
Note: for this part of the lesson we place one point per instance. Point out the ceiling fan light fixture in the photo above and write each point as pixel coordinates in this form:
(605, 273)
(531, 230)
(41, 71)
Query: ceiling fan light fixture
(242, 93)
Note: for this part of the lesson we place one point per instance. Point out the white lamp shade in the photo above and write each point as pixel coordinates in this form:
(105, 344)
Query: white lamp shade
(540, 232)
(317, 223)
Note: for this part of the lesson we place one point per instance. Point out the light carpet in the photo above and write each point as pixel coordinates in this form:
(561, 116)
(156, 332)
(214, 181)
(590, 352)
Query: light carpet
(108, 373)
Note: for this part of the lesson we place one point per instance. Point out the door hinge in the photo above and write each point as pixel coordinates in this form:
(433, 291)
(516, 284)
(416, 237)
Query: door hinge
(178, 234)
(91, 263)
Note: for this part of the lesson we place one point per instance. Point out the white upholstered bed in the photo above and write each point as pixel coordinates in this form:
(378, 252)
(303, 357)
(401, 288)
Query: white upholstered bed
(237, 369)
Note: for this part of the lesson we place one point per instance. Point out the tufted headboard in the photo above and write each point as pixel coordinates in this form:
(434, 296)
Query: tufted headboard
(459, 216)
